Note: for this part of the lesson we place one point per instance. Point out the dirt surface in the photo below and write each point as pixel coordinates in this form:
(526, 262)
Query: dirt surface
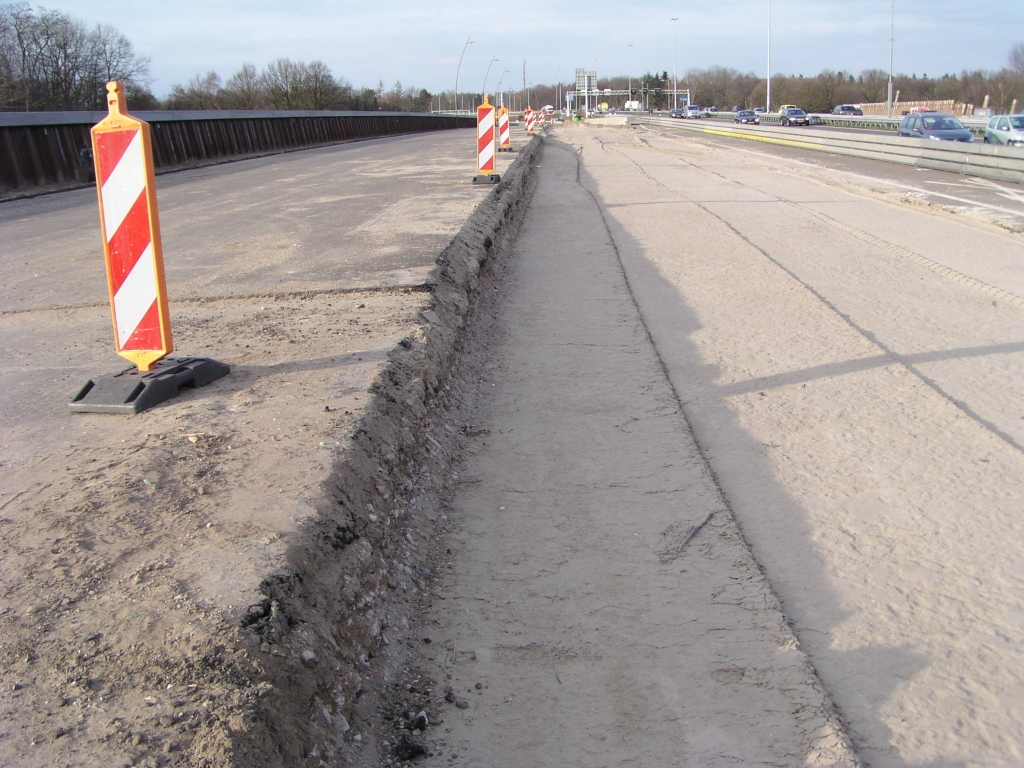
(197, 585)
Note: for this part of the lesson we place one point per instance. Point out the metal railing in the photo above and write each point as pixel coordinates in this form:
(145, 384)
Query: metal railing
(40, 149)
(873, 122)
(977, 159)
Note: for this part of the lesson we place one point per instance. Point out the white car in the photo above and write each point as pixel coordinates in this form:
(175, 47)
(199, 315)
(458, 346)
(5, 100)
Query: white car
(710, 111)
(693, 111)
(1005, 129)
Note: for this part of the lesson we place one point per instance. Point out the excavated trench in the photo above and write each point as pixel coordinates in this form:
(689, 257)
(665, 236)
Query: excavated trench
(360, 567)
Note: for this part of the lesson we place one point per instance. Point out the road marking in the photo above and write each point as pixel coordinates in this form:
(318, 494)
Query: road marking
(999, 189)
(1009, 194)
(766, 139)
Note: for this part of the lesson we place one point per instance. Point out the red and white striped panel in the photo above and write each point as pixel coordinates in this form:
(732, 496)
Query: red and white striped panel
(504, 131)
(531, 120)
(121, 171)
(485, 137)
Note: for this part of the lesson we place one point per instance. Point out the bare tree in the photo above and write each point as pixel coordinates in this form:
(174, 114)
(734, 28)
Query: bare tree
(113, 58)
(50, 60)
(285, 83)
(874, 85)
(1015, 60)
(244, 89)
(65, 59)
(322, 90)
(201, 92)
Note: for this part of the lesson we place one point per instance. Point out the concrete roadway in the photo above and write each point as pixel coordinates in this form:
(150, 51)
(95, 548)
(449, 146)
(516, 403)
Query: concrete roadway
(852, 365)
(1002, 202)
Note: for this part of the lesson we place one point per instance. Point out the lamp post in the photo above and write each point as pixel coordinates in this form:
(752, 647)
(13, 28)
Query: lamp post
(629, 75)
(488, 73)
(469, 42)
(497, 88)
(892, 35)
(675, 80)
(768, 99)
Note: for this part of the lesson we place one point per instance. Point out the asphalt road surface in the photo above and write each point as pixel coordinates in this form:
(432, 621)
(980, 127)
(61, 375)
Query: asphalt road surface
(302, 272)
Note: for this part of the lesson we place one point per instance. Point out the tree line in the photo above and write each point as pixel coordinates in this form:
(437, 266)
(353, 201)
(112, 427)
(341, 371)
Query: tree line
(51, 61)
(287, 84)
(726, 88)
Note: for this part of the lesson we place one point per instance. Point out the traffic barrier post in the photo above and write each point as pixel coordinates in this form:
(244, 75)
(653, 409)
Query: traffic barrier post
(485, 144)
(504, 131)
(531, 120)
(130, 225)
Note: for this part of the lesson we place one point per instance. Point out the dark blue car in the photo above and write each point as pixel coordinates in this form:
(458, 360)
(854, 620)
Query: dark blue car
(934, 125)
(747, 117)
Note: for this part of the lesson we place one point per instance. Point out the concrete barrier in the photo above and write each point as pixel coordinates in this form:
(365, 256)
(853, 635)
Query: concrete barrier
(866, 122)
(983, 160)
(39, 149)
(608, 120)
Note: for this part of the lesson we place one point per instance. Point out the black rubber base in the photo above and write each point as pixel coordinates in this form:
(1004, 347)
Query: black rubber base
(493, 178)
(133, 391)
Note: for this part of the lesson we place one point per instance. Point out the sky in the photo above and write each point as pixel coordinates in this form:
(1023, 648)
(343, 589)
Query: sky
(419, 43)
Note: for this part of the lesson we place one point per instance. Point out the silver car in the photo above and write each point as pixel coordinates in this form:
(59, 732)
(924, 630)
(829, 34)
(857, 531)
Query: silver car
(1005, 129)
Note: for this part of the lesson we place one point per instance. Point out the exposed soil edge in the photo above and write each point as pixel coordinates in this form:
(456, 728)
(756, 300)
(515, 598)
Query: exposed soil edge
(319, 618)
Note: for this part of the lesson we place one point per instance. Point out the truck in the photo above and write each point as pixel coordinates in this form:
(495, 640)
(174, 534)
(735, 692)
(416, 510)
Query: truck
(633, 106)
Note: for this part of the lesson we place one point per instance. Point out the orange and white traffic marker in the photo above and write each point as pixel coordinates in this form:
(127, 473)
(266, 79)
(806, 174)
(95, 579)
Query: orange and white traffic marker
(531, 120)
(504, 131)
(125, 183)
(485, 144)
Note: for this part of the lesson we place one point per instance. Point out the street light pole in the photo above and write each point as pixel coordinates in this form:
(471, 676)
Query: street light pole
(629, 63)
(892, 36)
(768, 100)
(497, 88)
(675, 80)
(469, 42)
(486, 74)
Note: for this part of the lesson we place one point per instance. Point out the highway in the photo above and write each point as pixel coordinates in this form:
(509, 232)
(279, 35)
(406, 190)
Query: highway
(851, 363)
(737, 466)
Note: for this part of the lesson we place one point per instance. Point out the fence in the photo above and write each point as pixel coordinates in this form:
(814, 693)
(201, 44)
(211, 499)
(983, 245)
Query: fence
(39, 149)
(900, 107)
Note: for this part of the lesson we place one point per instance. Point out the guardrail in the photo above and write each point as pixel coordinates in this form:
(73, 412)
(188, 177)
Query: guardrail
(984, 160)
(870, 122)
(39, 149)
